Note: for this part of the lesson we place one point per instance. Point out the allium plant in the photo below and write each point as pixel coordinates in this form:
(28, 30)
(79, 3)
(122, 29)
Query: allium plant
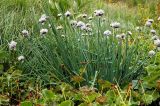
(81, 49)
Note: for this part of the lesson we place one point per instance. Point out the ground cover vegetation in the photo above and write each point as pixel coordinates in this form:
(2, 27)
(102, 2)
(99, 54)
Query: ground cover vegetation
(79, 52)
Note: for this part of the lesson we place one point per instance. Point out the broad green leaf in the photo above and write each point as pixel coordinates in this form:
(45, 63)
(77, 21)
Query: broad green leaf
(40, 101)
(16, 73)
(67, 103)
(135, 103)
(48, 94)
(78, 97)
(111, 97)
(65, 87)
(147, 98)
(82, 70)
(90, 98)
(155, 95)
(90, 104)
(3, 55)
(107, 84)
(3, 99)
(1, 67)
(83, 104)
(26, 103)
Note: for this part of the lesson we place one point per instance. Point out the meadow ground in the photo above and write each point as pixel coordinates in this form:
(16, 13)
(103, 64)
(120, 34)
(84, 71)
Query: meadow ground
(79, 52)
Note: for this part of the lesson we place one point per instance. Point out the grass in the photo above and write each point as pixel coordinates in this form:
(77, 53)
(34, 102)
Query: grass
(72, 55)
(64, 50)
(68, 51)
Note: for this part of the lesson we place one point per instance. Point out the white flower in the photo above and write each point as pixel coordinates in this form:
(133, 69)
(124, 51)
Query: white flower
(150, 20)
(43, 31)
(63, 36)
(118, 36)
(59, 28)
(49, 25)
(158, 48)
(12, 45)
(84, 15)
(159, 18)
(148, 23)
(153, 32)
(138, 29)
(25, 33)
(67, 14)
(107, 33)
(83, 27)
(157, 42)
(90, 18)
(89, 29)
(88, 24)
(155, 37)
(84, 34)
(80, 24)
(43, 18)
(115, 24)
(151, 53)
(73, 22)
(121, 36)
(104, 19)
(21, 58)
(129, 33)
(99, 12)
(59, 15)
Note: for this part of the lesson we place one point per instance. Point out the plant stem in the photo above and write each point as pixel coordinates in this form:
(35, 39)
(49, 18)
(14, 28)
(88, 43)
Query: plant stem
(94, 80)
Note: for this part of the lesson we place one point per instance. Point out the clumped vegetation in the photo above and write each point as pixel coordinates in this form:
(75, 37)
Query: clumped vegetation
(79, 53)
